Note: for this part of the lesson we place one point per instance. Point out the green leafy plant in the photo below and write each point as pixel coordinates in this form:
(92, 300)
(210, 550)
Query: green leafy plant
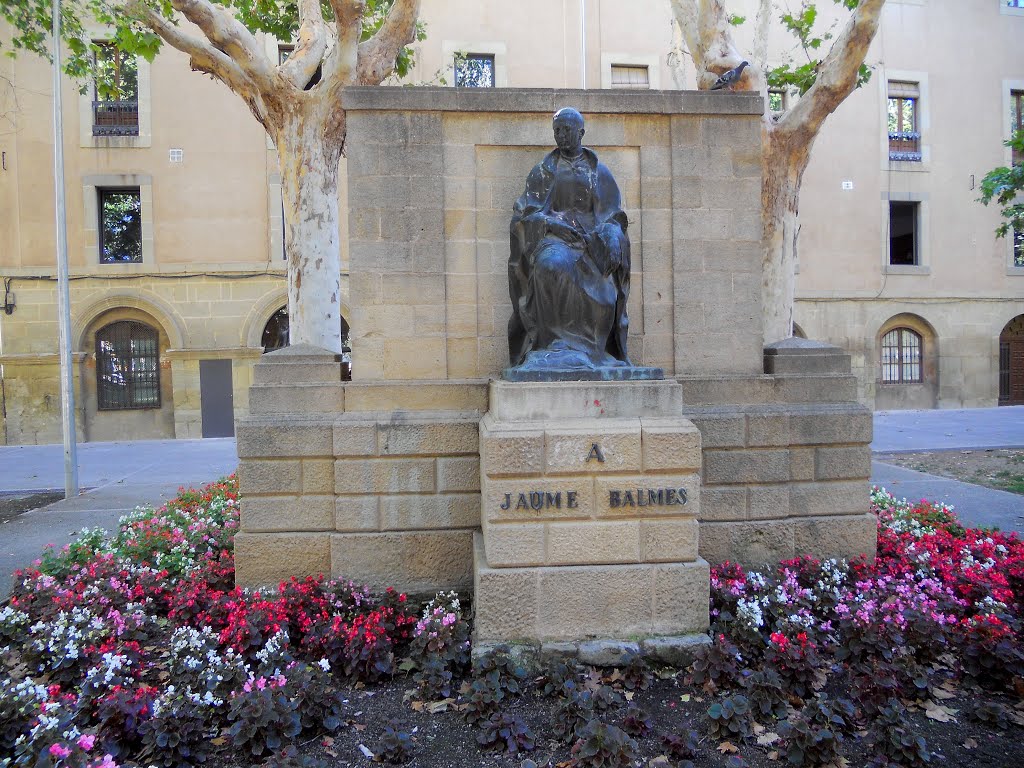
(716, 666)
(1003, 186)
(636, 721)
(636, 673)
(989, 712)
(556, 674)
(506, 732)
(683, 746)
(814, 735)
(765, 693)
(731, 718)
(604, 746)
(892, 743)
(289, 757)
(482, 700)
(395, 746)
(263, 719)
(502, 670)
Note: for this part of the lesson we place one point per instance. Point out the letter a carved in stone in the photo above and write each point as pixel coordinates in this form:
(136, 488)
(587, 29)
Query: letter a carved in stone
(595, 453)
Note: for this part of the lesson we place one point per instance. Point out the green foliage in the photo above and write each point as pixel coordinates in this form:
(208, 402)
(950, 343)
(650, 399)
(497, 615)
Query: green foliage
(802, 24)
(731, 718)
(736, 20)
(32, 20)
(1003, 185)
(396, 745)
(604, 746)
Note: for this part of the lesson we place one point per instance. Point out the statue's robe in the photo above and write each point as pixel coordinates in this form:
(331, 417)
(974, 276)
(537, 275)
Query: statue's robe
(569, 294)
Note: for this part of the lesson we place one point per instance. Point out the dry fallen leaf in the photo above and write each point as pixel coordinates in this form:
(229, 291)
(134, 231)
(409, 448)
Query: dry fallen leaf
(970, 744)
(628, 695)
(439, 706)
(942, 693)
(940, 713)
(773, 755)
(728, 748)
(767, 738)
(685, 697)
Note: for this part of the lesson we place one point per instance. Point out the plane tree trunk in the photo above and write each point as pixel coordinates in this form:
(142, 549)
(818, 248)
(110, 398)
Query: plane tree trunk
(306, 126)
(786, 139)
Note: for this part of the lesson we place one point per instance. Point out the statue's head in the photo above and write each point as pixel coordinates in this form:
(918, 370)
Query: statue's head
(568, 126)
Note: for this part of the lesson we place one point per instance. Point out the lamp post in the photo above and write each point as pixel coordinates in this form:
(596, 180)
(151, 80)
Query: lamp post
(67, 386)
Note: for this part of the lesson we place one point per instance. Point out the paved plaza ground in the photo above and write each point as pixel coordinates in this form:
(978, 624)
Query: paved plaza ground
(117, 477)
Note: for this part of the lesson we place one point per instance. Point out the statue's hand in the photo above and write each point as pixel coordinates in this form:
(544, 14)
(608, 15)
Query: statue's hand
(565, 231)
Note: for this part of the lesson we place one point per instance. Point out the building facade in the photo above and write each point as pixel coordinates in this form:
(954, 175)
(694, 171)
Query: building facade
(175, 216)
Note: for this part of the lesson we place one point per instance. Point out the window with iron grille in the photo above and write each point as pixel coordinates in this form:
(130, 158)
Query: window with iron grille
(1018, 247)
(127, 366)
(115, 106)
(474, 70)
(904, 131)
(901, 357)
(1017, 120)
(630, 76)
(120, 226)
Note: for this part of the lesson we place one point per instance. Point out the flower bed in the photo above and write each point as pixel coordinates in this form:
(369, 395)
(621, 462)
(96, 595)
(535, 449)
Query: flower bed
(137, 649)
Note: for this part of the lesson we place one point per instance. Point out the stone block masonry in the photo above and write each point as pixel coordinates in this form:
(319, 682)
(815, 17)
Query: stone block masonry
(590, 494)
(385, 479)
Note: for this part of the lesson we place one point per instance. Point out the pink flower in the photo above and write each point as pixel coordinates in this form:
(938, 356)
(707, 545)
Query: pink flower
(59, 751)
(86, 741)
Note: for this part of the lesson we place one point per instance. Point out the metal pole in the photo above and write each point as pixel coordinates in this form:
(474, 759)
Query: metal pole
(67, 387)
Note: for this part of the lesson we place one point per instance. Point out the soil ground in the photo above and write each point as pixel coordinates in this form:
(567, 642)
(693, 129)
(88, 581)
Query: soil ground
(445, 740)
(14, 504)
(998, 468)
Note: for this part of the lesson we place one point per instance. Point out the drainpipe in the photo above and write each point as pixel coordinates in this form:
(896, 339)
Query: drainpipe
(583, 42)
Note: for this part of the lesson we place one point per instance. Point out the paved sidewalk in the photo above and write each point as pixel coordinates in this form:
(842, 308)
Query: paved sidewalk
(973, 428)
(115, 478)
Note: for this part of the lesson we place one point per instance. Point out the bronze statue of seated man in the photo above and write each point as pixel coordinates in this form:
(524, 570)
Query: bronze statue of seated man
(569, 267)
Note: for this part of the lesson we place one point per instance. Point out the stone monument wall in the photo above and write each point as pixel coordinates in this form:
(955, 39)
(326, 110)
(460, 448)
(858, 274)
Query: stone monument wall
(378, 479)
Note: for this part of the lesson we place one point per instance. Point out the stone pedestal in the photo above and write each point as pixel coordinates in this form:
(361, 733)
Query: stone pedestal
(590, 494)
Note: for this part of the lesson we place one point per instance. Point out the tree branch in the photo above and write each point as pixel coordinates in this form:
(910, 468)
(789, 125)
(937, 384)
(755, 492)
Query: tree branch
(759, 55)
(229, 35)
(300, 66)
(340, 67)
(686, 15)
(837, 76)
(377, 55)
(204, 57)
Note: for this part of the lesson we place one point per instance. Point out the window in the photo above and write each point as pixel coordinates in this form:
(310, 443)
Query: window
(776, 100)
(474, 70)
(127, 366)
(904, 130)
(630, 76)
(1015, 3)
(284, 51)
(903, 228)
(1017, 118)
(1018, 247)
(115, 106)
(120, 226)
(901, 357)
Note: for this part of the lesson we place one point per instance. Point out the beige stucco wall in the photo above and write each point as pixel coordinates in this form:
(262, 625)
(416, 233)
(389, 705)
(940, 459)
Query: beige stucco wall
(218, 212)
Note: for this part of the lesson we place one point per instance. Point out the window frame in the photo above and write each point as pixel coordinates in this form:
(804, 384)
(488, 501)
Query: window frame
(143, 137)
(101, 194)
(627, 69)
(1016, 102)
(900, 363)
(916, 207)
(136, 330)
(894, 82)
(473, 56)
(905, 140)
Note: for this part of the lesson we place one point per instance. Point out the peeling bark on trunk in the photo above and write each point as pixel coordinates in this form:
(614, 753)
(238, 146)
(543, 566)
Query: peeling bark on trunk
(784, 166)
(309, 187)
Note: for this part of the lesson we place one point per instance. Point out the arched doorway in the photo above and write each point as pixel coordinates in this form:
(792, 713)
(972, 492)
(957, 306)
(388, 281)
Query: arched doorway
(1011, 363)
(275, 336)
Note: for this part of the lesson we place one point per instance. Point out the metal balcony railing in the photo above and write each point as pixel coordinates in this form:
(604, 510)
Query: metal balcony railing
(115, 118)
(905, 146)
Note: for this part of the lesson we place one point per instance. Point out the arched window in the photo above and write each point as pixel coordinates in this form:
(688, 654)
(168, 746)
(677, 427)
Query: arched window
(901, 357)
(275, 332)
(127, 366)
